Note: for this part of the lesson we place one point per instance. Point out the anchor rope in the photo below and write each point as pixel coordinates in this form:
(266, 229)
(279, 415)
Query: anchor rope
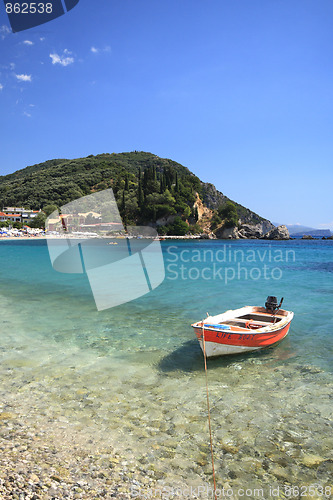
(208, 407)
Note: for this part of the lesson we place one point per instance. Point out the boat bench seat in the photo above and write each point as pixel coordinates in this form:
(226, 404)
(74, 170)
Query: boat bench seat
(261, 317)
(242, 322)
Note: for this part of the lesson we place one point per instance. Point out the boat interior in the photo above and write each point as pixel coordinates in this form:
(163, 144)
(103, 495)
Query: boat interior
(253, 320)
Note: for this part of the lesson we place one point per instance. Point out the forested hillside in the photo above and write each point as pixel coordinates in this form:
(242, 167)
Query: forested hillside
(147, 188)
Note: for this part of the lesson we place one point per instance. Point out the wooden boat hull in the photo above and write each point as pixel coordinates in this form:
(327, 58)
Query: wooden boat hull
(223, 337)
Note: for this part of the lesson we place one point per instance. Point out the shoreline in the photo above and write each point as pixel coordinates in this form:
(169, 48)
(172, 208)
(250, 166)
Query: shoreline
(162, 238)
(10, 238)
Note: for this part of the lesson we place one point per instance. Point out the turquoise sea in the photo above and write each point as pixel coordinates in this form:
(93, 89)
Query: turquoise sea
(133, 376)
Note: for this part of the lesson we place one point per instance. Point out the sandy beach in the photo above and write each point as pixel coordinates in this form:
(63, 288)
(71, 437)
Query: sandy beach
(19, 238)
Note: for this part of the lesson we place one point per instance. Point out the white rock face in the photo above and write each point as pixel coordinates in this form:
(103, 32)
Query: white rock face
(250, 231)
(229, 233)
(278, 233)
(253, 231)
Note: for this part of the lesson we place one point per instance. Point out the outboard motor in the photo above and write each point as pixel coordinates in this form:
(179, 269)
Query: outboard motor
(272, 305)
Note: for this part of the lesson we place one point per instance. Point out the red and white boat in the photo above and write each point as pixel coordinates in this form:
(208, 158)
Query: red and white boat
(241, 330)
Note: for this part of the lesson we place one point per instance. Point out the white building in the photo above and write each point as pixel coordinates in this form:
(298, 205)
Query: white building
(17, 214)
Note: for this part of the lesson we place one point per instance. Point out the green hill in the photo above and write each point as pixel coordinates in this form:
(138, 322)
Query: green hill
(147, 188)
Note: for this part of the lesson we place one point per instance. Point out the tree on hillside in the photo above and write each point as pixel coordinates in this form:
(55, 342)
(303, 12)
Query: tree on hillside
(229, 214)
(178, 228)
(38, 221)
(140, 195)
(49, 209)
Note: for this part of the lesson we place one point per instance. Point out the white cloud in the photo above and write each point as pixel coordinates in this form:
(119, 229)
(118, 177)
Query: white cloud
(4, 31)
(42, 38)
(27, 114)
(1, 86)
(12, 66)
(63, 60)
(95, 50)
(28, 42)
(24, 78)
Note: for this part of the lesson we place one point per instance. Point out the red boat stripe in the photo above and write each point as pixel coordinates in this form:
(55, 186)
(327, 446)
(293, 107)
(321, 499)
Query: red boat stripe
(243, 339)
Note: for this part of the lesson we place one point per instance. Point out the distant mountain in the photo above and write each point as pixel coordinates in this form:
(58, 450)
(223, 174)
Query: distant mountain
(296, 230)
(148, 189)
(316, 233)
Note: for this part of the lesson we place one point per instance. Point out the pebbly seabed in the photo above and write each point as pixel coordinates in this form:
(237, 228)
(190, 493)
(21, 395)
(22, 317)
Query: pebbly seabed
(132, 431)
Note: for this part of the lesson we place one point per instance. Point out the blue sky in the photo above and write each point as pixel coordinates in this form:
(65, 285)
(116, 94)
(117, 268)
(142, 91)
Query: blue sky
(238, 91)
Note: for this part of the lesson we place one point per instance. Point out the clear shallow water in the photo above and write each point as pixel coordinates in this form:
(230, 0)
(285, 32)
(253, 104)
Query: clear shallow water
(132, 376)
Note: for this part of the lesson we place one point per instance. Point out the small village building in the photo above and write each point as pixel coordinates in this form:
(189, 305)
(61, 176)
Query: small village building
(10, 217)
(17, 214)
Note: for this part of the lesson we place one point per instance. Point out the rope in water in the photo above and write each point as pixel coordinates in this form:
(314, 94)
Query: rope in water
(209, 423)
